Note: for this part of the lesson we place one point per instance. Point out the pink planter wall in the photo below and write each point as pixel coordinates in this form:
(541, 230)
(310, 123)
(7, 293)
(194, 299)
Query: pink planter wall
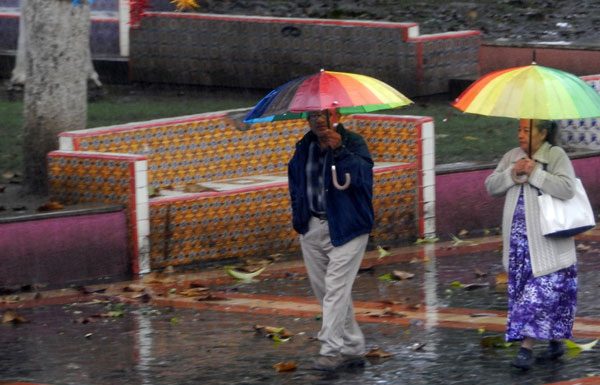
(59, 251)
(463, 203)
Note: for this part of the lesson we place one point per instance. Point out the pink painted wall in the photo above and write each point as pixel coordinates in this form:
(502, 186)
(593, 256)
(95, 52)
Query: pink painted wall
(63, 250)
(579, 61)
(463, 203)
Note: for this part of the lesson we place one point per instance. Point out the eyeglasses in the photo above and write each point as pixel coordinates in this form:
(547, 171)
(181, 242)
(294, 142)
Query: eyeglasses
(316, 117)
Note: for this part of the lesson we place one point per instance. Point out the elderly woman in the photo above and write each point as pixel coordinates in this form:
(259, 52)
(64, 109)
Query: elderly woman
(542, 274)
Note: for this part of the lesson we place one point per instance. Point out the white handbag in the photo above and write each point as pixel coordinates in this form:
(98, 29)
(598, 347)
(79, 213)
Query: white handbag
(566, 218)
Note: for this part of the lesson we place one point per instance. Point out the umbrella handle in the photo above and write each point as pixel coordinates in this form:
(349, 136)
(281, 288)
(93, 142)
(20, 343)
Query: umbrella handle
(335, 181)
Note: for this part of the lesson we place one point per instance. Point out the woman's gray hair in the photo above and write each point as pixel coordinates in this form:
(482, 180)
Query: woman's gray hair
(551, 130)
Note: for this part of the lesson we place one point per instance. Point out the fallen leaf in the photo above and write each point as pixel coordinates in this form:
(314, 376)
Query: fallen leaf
(244, 277)
(402, 275)
(473, 286)
(194, 292)
(207, 296)
(378, 353)
(273, 330)
(10, 316)
(494, 342)
(50, 206)
(153, 192)
(286, 366)
(387, 312)
(143, 297)
(501, 279)
(8, 175)
(456, 241)
(382, 252)
(135, 288)
(386, 277)
(155, 277)
(583, 347)
(426, 240)
(418, 346)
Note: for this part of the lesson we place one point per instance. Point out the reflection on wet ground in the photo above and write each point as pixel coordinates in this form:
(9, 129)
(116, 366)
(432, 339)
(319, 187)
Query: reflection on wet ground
(106, 342)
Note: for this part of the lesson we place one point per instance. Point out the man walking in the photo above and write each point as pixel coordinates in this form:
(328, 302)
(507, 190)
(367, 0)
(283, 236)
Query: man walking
(334, 226)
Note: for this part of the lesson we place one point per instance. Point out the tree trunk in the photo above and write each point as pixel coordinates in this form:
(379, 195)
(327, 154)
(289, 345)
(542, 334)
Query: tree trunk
(55, 97)
(17, 79)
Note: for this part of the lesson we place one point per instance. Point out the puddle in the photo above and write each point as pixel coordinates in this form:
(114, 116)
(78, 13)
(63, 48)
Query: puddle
(148, 346)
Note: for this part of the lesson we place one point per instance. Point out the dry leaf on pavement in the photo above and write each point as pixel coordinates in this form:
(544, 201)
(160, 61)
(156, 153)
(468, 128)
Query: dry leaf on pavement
(10, 316)
(50, 206)
(401, 275)
(273, 330)
(501, 279)
(378, 353)
(286, 366)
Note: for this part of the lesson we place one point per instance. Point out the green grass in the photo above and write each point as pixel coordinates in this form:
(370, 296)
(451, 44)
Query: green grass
(459, 137)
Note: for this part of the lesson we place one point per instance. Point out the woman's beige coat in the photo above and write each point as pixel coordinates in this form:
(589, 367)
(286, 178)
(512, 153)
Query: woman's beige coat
(547, 254)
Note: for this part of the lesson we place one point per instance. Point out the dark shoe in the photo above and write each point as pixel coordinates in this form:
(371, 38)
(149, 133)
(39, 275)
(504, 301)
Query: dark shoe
(524, 359)
(328, 363)
(353, 361)
(555, 350)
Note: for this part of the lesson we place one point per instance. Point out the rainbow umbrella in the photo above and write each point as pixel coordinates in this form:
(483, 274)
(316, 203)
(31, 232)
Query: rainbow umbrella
(347, 92)
(530, 92)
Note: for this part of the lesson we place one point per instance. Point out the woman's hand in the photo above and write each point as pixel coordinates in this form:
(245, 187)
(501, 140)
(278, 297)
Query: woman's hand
(524, 166)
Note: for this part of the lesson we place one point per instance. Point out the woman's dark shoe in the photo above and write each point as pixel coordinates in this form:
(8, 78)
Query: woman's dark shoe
(555, 350)
(524, 359)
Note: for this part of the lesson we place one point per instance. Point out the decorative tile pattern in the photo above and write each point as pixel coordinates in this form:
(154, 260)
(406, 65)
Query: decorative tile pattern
(204, 150)
(258, 222)
(581, 133)
(75, 179)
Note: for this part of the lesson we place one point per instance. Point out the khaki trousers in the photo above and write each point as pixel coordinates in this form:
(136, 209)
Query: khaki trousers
(332, 271)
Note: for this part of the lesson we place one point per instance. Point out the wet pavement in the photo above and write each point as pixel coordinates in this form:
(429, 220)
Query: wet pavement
(435, 325)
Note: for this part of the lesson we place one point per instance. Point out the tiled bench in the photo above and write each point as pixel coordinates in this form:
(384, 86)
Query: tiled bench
(222, 192)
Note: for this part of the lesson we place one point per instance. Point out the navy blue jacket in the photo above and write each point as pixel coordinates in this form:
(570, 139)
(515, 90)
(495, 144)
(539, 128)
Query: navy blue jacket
(350, 211)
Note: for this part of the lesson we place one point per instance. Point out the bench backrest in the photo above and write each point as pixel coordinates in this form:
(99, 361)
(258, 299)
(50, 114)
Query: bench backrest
(209, 147)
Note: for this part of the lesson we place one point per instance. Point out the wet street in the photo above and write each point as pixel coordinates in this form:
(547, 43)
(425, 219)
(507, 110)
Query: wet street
(443, 326)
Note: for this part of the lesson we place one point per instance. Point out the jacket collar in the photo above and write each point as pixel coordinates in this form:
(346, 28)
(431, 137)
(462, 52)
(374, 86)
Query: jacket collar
(541, 155)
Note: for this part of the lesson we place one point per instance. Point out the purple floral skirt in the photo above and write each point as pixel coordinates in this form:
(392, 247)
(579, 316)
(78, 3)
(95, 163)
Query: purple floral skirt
(538, 307)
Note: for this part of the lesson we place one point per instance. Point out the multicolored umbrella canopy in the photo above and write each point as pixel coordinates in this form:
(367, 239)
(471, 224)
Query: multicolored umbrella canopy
(347, 92)
(530, 92)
